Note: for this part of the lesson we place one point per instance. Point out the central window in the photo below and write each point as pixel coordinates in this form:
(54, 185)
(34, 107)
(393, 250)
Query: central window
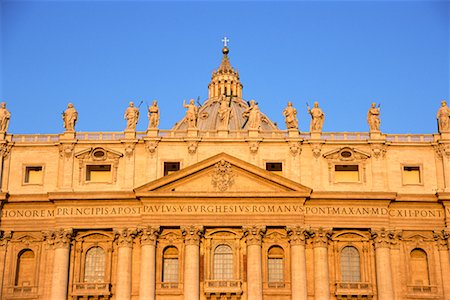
(350, 264)
(94, 267)
(223, 263)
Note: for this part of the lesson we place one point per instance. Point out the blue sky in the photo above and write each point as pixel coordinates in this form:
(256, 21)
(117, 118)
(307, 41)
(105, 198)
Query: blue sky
(345, 54)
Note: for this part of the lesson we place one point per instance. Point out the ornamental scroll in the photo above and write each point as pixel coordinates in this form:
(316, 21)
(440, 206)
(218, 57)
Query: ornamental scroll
(223, 176)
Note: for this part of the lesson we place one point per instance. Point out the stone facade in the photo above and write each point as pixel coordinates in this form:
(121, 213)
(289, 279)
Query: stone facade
(217, 209)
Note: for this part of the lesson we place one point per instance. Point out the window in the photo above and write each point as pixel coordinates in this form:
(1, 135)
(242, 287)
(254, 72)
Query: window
(98, 173)
(170, 265)
(223, 263)
(419, 268)
(350, 264)
(94, 266)
(33, 175)
(275, 167)
(411, 175)
(275, 266)
(170, 167)
(25, 268)
(346, 173)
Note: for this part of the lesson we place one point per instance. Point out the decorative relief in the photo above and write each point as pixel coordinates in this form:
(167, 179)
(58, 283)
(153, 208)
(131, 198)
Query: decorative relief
(60, 238)
(66, 150)
(295, 148)
(254, 234)
(5, 237)
(192, 146)
(297, 235)
(5, 149)
(378, 150)
(151, 145)
(319, 236)
(316, 150)
(346, 154)
(442, 150)
(223, 176)
(441, 238)
(149, 235)
(254, 146)
(382, 238)
(129, 149)
(192, 234)
(125, 237)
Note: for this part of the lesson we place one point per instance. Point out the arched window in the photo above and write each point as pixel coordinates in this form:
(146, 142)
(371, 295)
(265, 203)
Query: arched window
(25, 268)
(223, 263)
(350, 264)
(94, 265)
(419, 267)
(170, 265)
(275, 265)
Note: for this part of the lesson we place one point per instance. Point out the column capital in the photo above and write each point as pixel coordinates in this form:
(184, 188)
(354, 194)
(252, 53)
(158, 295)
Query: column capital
(192, 234)
(441, 238)
(125, 237)
(5, 237)
(320, 236)
(149, 235)
(297, 234)
(382, 238)
(59, 238)
(254, 234)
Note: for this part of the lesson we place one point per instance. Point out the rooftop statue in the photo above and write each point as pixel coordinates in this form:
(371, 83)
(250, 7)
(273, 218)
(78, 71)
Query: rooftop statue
(290, 116)
(443, 117)
(253, 115)
(373, 117)
(317, 118)
(5, 115)
(191, 114)
(153, 115)
(132, 117)
(70, 117)
(224, 112)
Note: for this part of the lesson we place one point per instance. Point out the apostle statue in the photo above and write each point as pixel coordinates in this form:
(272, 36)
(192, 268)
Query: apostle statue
(253, 115)
(70, 117)
(373, 117)
(317, 118)
(153, 115)
(191, 114)
(290, 116)
(4, 117)
(224, 112)
(132, 117)
(443, 117)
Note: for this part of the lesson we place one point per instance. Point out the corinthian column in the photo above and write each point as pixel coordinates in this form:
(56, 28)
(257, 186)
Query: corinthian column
(125, 239)
(254, 265)
(191, 284)
(5, 237)
(442, 244)
(382, 241)
(60, 276)
(148, 250)
(298, 262)
(321, 276)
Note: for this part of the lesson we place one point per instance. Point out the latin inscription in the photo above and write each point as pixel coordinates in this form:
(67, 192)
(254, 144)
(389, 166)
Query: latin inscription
(223, 209)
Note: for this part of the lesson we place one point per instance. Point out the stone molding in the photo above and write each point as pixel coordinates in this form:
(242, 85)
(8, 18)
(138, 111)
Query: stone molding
(254, 234)
(149, 235)
(320, 237)
(5, 237)
(382, 238)
(60, 238)
(125, 237)
(297, 235)
(441, 238)
(192, 234)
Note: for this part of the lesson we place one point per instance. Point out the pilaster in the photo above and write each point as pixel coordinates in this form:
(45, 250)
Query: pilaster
(191, 285)
(319, 237)
(5, 237)
(147, 288)
(297, 237)
(61, 240)
(254, 236)
(442, 244)
(125, 238)
(382, 241)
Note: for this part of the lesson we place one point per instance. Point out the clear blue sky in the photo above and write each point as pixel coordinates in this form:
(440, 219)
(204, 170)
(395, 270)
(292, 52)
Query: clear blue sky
(102, 54)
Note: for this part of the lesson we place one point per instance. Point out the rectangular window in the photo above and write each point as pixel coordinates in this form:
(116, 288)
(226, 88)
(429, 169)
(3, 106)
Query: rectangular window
(170, 167)
(275, 167)
(98, 173)
(346, 173)
(411, 175)
(33, 175)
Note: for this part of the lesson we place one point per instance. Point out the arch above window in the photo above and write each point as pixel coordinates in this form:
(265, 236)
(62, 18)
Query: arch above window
(275, 264)
(223, 263)
(350, 264)
(25, 268)
(170, 265)
(419, 267)
(95, 265)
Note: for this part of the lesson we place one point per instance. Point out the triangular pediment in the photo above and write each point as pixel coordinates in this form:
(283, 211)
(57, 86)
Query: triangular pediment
(223, 173)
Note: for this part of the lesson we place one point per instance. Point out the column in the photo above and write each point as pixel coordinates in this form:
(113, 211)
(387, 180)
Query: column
(148, 263)
(60, 276)
(382, 241)
(254, 264)
(442, 244)
(125, 239)
(321, 274)
(298, 262)
(191, 283)
(5, 237)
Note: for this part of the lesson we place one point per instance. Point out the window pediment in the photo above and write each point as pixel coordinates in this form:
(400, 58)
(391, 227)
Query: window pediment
(96, 154)
(345, 154)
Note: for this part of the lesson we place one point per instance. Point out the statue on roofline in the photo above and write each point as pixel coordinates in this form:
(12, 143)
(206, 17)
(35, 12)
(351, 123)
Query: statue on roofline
(443, 117)
(191, 114)
(373, 117)
(5, 115)
(290, 116)
(224, 112)
(153, 115)
(317, 118)
(132, 117)
(70, 117)
(253, 115)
